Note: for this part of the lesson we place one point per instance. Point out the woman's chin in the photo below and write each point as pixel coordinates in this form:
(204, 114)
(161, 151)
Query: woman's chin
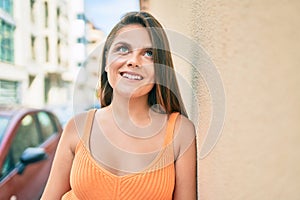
(132, 92)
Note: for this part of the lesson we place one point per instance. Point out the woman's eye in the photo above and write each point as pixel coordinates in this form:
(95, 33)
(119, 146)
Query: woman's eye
(123, 49)
(149, 53)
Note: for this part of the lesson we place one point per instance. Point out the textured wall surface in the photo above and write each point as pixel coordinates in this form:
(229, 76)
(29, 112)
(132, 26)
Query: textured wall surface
(255, 47)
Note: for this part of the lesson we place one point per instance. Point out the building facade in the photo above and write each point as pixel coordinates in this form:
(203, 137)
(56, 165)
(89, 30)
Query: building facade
(42, 47)
(87, 78)
(11, 76)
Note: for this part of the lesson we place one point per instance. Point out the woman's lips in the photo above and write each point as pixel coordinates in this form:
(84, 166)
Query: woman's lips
(131, 76)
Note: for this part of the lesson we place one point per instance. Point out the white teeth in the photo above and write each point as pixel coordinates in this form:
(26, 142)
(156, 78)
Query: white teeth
(132, 77)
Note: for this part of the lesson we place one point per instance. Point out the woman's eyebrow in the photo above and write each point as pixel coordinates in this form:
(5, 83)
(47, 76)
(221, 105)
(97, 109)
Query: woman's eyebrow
(121, 43)
(148, 47)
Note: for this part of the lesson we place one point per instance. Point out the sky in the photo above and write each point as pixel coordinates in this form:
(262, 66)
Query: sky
(104, 14)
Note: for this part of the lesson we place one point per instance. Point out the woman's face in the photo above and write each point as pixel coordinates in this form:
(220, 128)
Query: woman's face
(129, 63)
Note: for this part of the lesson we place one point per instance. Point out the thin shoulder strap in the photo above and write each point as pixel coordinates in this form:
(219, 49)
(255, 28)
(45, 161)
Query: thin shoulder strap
(170, 128)
(88, 126)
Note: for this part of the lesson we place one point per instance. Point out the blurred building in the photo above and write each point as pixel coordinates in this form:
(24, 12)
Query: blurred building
(88, 76)
(95, 37)
(11, 76)
(43, 45)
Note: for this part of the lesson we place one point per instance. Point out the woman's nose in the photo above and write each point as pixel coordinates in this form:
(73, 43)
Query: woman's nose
(134, 60)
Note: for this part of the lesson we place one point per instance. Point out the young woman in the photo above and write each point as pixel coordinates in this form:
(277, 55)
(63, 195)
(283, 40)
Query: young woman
(140, 144)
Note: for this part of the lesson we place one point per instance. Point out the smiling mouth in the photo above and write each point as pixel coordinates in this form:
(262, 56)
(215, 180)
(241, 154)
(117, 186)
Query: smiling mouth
(131, 76)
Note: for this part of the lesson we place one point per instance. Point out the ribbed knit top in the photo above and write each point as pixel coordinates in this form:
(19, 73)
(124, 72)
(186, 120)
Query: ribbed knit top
(89, 180)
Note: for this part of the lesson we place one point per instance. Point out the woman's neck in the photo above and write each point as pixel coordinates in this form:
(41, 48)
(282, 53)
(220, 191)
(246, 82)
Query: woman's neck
(135, 118)
(135, 109)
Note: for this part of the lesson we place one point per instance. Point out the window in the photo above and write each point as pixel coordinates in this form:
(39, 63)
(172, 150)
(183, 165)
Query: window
(3, 124)
(58, 52)
(47, 126)
(47, 49)
(7, 6)
(33, 57)
(9, 92)
(26, 136)
(32, 10)
(81, 40)
(7, 166)
(32, 2)
(58, 13)
(46, 14)
(58, 19)
(81, 16)
(6, 42)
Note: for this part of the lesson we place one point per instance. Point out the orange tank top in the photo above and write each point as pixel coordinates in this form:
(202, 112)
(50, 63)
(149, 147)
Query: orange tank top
(89, 180)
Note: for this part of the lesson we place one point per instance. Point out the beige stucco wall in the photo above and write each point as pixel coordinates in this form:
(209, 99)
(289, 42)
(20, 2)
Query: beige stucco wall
(255, 47)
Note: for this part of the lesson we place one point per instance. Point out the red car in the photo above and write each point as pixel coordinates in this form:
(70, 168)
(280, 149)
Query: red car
(28, 140)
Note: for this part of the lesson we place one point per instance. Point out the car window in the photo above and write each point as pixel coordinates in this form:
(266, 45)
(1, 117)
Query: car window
(27, 135)
(47, 126)
(7, 166)
(3, 124)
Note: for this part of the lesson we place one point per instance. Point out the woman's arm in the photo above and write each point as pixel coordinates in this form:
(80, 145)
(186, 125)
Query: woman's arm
(185, 164)
(59, 178)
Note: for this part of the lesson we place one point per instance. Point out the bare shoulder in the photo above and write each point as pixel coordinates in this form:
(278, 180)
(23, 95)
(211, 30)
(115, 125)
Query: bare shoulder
(74, 128)
(185, 160)
(184, 135)
(184, 124)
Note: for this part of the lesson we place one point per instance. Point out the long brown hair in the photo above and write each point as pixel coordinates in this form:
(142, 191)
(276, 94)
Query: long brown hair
(165, 91)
